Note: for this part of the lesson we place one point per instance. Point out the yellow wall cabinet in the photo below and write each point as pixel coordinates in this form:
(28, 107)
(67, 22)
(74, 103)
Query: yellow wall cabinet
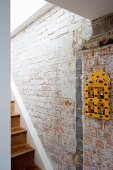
(97, 96)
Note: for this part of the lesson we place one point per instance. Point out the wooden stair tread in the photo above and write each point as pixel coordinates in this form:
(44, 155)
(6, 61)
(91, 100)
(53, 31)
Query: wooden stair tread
(17, 130)
(12, 101)
(22, 154)
(15, 114)
(20, 150)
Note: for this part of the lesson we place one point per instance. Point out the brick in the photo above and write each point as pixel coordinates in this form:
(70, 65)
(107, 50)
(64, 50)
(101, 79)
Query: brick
(47, 70)
(95, 136)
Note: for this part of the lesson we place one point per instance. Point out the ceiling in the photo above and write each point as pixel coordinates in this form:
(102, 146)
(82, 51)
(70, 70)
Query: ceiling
(90, 9)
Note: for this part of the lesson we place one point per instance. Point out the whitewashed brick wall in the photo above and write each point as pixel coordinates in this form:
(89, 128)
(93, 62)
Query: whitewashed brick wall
(43, 65)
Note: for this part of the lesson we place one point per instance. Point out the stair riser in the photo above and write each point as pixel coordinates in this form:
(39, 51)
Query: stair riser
(18, 139)
(22, 153)
(12, 107)
(15, 121)
(22, 161)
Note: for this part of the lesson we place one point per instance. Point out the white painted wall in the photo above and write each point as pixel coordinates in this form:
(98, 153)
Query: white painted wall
(27, 8)
(31, 18)
(4, 85)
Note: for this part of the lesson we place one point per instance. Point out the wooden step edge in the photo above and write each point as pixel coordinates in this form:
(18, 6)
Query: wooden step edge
(17, 131)
(12, 113)
(23, 152)
(15, 112)
(12, 101)
(15, 115)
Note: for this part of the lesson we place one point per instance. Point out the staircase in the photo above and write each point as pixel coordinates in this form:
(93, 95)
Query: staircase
(22, 154)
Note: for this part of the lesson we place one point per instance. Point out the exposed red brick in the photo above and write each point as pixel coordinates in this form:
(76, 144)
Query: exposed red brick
(87, 163)
(67, 102)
